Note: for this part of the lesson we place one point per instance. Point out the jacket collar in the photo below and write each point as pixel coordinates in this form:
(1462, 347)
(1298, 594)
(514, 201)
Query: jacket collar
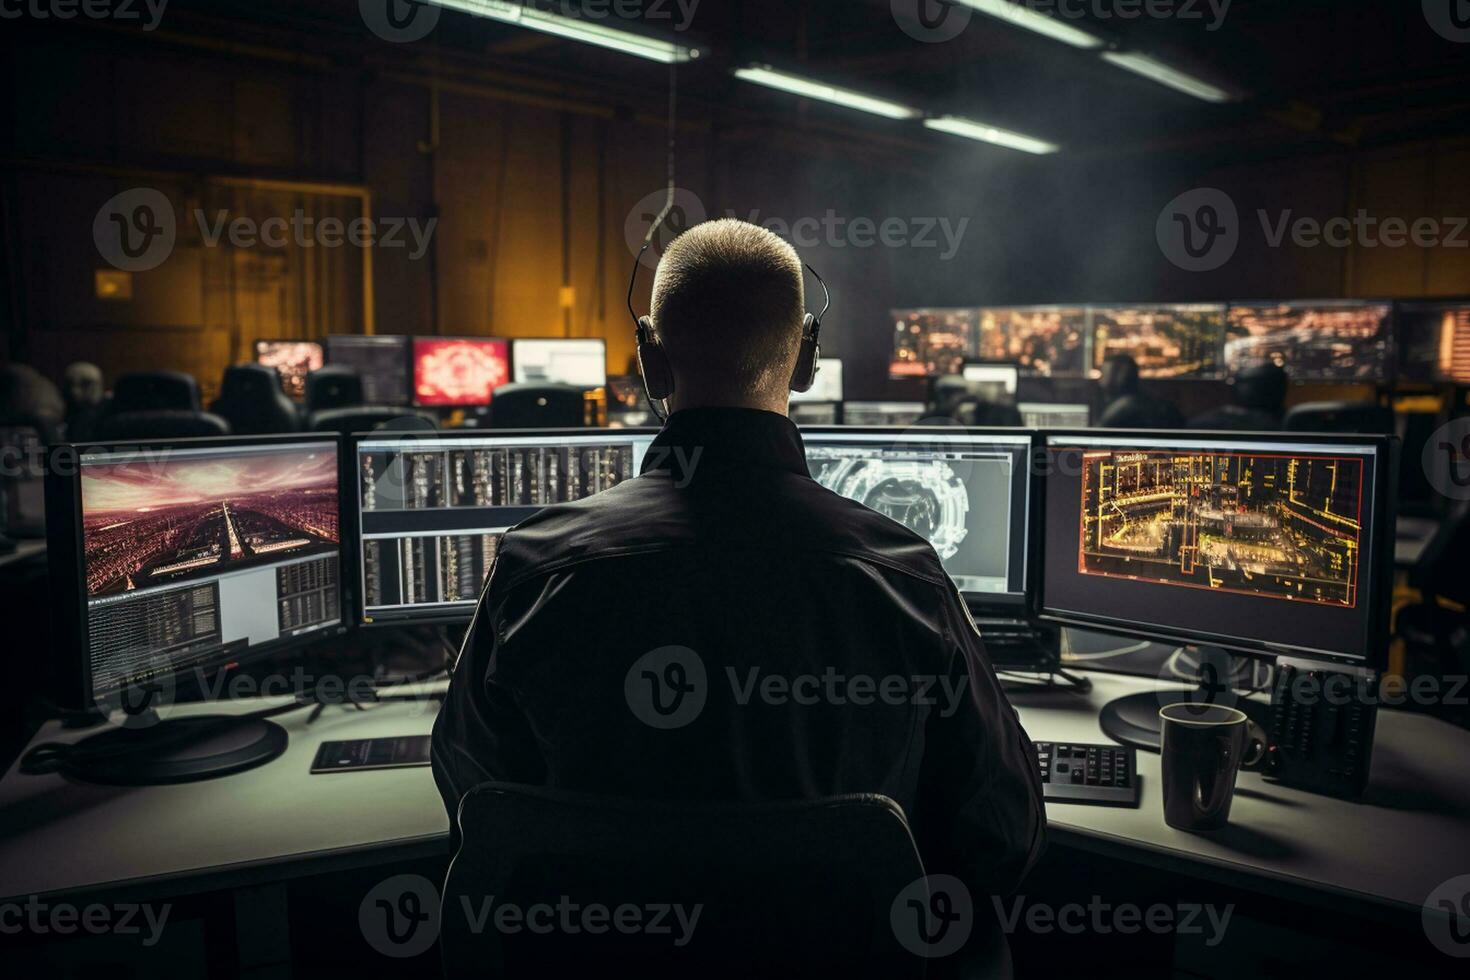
(727, 437)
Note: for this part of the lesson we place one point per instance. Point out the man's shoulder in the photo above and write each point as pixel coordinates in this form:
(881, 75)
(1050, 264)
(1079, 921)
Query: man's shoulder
(648, 515)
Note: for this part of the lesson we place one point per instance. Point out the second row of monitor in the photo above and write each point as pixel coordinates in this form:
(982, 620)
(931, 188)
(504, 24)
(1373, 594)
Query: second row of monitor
(194, 554)
(438, 371)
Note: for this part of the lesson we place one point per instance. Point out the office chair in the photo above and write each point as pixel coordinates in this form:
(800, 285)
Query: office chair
(973, 411)
(1351, 417)
(802, 888)
(333, 386)
(1436, 635)
(366, 418)
(126, 426)
(251, 400)
(155, 391)
(537, 405)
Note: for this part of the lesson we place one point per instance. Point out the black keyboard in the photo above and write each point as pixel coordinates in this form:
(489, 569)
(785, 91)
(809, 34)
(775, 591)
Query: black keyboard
(1080, 773)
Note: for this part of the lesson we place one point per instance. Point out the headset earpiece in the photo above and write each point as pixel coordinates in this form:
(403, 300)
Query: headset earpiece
(653, 362)
(804, 374)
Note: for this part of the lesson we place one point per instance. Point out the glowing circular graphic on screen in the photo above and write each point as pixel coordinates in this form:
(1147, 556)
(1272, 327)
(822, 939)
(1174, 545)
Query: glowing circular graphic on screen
(924, 496)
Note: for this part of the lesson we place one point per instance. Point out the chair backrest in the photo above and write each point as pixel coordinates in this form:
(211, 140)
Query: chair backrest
(124, 426)
(537, 405)
(366, 418)
(155, 391)
(252, 401)
(790, 888)
(1140, 411)
(23, 439)
(1236, 418)
(333, 386)
(1352, 417)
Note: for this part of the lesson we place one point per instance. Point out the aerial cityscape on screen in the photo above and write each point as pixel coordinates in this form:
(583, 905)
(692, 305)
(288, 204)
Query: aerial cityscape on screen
(1281, 526)
(1043, 340)
(294, 359)
(1166, 341)
(929, 343)
(167, 519)
(1322, 342)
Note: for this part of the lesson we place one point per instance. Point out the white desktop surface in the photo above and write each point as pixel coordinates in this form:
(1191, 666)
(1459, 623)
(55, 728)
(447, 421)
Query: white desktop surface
(56, 836)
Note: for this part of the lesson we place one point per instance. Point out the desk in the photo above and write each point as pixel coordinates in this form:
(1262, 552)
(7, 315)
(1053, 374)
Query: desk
(1389, 852)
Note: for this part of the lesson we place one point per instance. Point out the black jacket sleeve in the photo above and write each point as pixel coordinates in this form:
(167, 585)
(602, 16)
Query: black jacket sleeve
(481, 733)
(983, 816)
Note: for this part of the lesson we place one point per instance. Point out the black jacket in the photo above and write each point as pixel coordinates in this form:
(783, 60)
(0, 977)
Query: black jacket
(724, 628)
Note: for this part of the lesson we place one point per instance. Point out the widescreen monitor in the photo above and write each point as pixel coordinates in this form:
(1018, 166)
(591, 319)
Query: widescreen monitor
(882, 413)
(815, 413)
(382, 362)
(1176, 341)
(1046, 341)
(828, 384)
(966, 492)
(432, 508)
(929, 343)
(1329, 340)
(187, 556)
(1434, 342)
(294, 359)
(1260, 544)
(1055, 415)
(458, 371)
(580, 361)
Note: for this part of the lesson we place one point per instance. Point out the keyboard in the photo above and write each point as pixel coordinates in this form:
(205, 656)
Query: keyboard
(1081, 773)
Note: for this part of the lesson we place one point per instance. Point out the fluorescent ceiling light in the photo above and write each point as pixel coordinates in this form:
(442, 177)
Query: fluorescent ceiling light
(762, 75)
(574, 29)
(1159, 72)
(1019, 15)
(971, 129)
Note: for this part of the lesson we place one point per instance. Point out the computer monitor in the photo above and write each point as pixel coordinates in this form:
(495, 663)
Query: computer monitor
(172, 561)
(993, 383)
(578, 361)
(929, 343)
(382, 362)
(1264, 545)
(882, 413)
(1434, 342)
(458, 371)
(1046, 341)
(815, 413)
(828, 385)
(966, 491)
(294, 359)
(431, 508)
(1319, 340)
(1167, 341)
(1055, 415)
(627, 404)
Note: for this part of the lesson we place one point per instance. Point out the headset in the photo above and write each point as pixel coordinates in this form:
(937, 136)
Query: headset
(653, 360)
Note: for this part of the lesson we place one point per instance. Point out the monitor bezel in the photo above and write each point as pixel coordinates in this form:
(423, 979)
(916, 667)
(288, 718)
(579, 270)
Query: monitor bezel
(600, 341)
(1378, 589)
(413, 361)
(68, 562)
(1007, 604)
(405, 369)
(352, 510)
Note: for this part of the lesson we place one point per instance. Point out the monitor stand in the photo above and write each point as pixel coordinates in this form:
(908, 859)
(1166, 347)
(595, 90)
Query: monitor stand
(147, 751)
(1134, 718)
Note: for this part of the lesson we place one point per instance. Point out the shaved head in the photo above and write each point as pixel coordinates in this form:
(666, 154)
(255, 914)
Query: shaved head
(728, 307)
